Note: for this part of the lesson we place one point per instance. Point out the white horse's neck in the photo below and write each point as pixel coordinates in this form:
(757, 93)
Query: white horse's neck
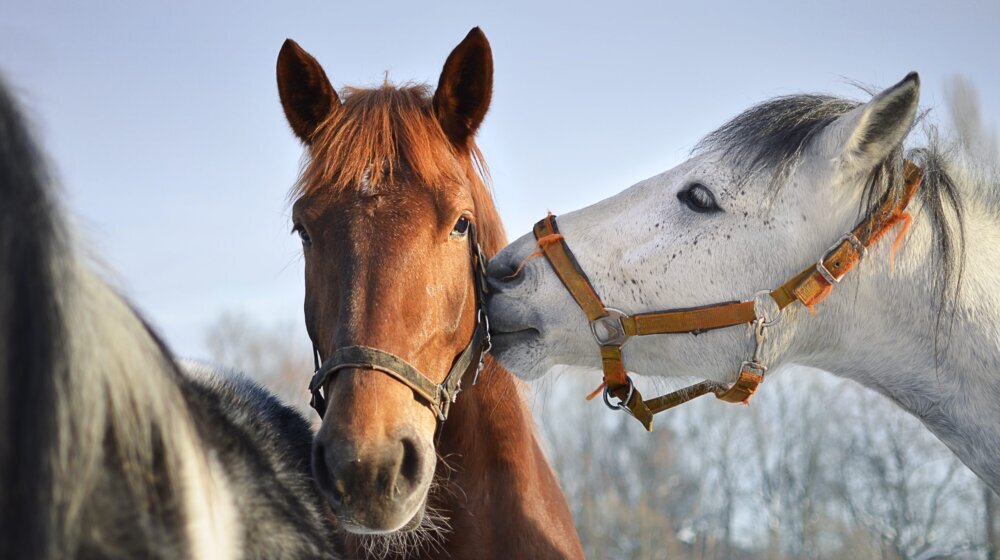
(879, 328)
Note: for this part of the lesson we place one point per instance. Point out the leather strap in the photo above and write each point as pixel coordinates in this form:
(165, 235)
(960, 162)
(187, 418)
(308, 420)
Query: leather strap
(438, 397)
(568, 270)
(366, 357)
(808, 287)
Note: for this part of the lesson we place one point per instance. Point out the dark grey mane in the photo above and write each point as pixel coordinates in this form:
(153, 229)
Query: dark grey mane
(30, 326)
(107, 448)
(770, 139)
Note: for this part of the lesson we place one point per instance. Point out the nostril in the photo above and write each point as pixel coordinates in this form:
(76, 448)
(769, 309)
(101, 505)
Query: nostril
(335, 494)
(411, 465)
(504, 274)
(501, 268)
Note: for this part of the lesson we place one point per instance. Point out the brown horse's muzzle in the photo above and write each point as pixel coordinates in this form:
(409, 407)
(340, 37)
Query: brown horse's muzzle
(375, 485)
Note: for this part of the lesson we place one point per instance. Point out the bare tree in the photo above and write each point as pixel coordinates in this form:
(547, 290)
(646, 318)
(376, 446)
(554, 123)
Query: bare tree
(815, 467)
(276, 355)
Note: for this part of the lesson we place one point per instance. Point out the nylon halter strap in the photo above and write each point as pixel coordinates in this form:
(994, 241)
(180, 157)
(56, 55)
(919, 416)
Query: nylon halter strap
(612, 328)
(438, 397)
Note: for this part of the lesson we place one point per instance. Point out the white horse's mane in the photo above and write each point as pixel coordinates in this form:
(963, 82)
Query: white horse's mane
(773, 137)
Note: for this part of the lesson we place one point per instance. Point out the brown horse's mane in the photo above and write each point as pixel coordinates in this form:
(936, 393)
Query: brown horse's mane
(385, 137)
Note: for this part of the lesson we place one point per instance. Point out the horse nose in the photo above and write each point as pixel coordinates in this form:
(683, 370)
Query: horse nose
(505, 269)
(369, 487)
(501, 274)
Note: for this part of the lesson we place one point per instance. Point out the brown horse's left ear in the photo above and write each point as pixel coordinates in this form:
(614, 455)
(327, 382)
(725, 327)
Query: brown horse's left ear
(465, 88)
(306, 94)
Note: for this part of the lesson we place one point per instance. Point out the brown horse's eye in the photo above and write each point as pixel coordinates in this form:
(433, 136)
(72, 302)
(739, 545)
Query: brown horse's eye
(304, 236)
(461, 227)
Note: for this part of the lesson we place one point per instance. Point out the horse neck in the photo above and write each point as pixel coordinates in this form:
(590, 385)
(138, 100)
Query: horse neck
(501, 495)
(885, 329)
(505, 499)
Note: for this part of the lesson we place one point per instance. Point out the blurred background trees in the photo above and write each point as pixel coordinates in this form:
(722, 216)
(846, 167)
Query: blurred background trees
(814, 467)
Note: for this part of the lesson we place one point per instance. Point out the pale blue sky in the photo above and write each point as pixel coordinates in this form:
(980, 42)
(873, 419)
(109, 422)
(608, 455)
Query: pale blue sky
(165, 127)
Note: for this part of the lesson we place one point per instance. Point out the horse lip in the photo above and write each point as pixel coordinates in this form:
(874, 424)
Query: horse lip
(504, 339)
(411, 524)
(498, 332)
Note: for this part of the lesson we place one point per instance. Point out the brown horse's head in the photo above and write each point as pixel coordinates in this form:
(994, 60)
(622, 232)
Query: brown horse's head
(384, 208)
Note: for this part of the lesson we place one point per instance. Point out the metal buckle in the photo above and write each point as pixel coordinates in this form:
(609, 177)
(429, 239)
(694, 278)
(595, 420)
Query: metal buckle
(608, 330)
(753, 367)
(754, 364)
(854, 241)
(620, 405)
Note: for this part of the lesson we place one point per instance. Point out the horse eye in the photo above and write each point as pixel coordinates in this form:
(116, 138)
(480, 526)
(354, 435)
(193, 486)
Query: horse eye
(303, 235)
(699, 198)
(461, 228)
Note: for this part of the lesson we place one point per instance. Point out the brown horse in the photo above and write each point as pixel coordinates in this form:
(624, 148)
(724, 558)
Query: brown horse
(385, 206)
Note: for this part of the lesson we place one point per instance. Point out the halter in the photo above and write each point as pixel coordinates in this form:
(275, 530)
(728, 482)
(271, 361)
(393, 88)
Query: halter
(438, 397)
(613, 328)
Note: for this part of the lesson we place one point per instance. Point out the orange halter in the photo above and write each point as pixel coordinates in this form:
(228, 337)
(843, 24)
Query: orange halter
(612, 328)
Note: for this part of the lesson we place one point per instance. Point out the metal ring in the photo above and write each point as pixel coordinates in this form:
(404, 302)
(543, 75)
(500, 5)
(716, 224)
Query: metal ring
(762, 316)
(608, 329)
(607, 395)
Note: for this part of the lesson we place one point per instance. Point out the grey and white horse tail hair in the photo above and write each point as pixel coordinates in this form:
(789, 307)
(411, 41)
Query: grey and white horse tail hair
(109, 448)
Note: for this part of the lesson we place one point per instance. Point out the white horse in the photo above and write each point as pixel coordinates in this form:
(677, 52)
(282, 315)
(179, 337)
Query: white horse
(762, 198)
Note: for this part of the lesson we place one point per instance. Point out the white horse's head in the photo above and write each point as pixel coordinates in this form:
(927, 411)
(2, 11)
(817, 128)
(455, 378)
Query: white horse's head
(761, 198)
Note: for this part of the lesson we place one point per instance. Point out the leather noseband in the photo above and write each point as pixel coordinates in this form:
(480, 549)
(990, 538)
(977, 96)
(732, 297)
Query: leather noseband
(439, 397)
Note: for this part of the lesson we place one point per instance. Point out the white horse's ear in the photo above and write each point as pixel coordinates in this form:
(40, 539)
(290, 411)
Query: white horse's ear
(859, 140)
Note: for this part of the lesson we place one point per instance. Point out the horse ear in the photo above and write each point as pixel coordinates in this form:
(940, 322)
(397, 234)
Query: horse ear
(465, 88)
(859, 140)
(306, 94)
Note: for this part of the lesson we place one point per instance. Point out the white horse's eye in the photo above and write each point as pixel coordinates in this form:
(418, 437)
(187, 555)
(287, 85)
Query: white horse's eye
(699, 198)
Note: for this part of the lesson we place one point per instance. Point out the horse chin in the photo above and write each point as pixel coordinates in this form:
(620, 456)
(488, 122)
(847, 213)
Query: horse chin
(412, 523)
(521, 352)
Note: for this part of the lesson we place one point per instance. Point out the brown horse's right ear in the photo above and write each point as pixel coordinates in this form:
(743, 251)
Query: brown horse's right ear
(465, 88)
(306, 93)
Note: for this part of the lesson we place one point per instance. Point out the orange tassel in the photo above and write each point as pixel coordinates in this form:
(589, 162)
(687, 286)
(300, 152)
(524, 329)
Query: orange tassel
(596, 391)
(540, 247)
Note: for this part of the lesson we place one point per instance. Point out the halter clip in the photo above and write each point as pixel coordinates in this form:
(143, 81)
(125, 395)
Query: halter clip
(608, 329)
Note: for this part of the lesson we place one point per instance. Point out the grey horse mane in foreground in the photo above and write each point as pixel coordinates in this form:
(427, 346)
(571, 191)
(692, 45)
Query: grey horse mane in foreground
(108, 449)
